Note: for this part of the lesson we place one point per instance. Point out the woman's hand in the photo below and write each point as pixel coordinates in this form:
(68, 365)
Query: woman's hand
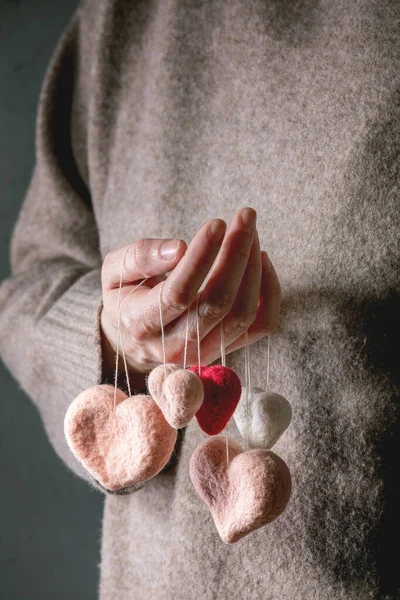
(242, 289)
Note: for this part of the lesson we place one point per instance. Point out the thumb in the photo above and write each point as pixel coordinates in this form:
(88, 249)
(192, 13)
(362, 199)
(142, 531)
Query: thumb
(144, 258)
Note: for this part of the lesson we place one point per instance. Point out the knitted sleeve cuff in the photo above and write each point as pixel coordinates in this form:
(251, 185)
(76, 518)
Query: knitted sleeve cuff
(68, 359)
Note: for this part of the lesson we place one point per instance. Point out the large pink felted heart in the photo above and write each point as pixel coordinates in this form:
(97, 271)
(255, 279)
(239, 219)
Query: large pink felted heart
(123, 448)
(248, 494)
(222, 390)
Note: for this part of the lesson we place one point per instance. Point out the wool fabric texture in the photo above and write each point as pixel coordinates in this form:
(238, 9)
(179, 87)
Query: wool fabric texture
(155, 116)
(123, 448)
(222, 389)
(262, 417)
(244, 495)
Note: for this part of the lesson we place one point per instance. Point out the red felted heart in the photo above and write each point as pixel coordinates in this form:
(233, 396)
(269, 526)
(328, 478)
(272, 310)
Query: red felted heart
(222, 390)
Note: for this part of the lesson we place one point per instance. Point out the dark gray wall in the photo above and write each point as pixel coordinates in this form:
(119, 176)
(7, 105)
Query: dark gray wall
(50, 522)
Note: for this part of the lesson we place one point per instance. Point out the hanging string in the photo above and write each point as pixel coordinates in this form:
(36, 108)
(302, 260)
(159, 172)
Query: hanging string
(223, 359)
(118, 326)
(162, 330)
(121, 337)
(248, 362)
(163, 334)
(186, 338)
(223, 363)
(119, 334)
(198, 334)
(248, 381)
(247, 385)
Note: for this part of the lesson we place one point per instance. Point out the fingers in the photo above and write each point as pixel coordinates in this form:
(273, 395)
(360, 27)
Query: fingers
(185, 281)
(267, 316)
(242, 288)
(244, 309)
(221, 290)
(144, 258)
(182, 285)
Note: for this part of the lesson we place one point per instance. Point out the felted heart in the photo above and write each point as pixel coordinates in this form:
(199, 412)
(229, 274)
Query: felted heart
(269, 415)
(222, 390)
(156, 378)
(251, 492)
(123, 448)
(179, 395)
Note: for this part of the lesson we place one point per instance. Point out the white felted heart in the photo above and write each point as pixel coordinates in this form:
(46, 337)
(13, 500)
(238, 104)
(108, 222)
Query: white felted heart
(243, 495)
(118, 449)
(178, 392)
(269, 414)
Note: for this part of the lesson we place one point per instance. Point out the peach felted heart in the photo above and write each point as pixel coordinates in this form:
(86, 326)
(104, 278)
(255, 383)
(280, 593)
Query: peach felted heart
(156, 378)
(252, 492)
(269, 414)
(123, 448)
(179, 394)
(222, 389)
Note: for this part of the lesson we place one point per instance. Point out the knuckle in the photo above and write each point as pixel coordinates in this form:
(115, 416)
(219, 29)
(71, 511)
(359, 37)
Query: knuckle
(141, 330)
(175, 300)
(215, 311)
(127, 322)
(138, 254)
(247, 319)
(242, 254)
(254, 265)
(242, 322)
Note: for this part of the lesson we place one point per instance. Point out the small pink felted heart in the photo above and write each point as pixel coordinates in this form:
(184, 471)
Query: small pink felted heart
(251, 492)
(178, 392)
(118, 449)
(156, 379)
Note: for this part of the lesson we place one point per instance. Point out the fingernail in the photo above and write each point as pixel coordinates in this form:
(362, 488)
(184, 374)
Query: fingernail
(249, 217)
(216, 231)
(169, 249)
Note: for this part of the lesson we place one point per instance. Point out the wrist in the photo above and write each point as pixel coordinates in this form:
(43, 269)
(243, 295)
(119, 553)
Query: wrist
(137, 380)
(108, 354)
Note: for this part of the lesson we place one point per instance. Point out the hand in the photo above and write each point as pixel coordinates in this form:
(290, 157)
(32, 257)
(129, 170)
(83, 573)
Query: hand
(242, 289)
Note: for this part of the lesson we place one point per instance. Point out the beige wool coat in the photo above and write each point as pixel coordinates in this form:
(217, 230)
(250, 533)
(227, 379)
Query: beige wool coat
(154, 116)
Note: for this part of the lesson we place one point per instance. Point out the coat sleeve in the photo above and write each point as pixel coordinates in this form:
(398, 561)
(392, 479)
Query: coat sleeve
(50, 305)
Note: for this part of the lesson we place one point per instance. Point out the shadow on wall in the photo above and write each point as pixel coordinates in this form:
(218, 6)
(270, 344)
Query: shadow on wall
(50, 521)
(357, 509)
(352, 518)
